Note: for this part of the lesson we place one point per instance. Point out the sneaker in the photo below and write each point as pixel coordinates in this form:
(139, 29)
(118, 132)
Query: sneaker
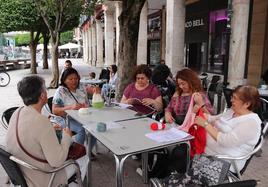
(139, 171)
(134, 157)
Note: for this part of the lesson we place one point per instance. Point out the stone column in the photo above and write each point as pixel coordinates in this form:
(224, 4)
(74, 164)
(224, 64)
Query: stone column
(94, 44)
(238, 42)
(109, 37)
(99, 33)
(89, 46)
(142, 42)
(175, 34)
(163, 33)
(84, 35)
(118, 10)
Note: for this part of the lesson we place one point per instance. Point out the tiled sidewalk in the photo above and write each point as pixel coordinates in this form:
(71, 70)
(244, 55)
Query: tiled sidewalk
(103, 168)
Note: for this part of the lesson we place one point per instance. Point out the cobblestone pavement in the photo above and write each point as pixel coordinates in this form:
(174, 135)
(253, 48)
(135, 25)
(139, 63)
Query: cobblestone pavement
(104, 167)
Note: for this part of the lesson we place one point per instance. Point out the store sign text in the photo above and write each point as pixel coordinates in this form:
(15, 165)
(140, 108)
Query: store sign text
(194, 23)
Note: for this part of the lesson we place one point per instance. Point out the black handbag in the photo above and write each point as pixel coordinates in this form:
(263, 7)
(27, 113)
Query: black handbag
(210, 170)
(205, 171)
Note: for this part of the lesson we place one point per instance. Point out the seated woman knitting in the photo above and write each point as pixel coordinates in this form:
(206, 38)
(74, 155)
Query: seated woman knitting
(141, 94)
(236, 131)
(187, 85)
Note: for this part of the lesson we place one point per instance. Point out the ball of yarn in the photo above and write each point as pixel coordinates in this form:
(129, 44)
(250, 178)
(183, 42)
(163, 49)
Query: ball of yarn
(157, 126)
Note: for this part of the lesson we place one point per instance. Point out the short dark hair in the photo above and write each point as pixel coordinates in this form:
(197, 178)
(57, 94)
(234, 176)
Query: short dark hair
(92, 74)
(249, 94)
(69, 62)
(66, 73)
(142, 69)
(30, 89)
(160, 74)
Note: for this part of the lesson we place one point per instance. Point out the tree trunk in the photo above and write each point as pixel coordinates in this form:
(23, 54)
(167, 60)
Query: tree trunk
(128, 42)
(33, 45)
(55, 65)
(45, 50)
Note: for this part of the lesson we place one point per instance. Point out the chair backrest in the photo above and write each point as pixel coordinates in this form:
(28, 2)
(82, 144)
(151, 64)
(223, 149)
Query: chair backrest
(262, 111)
(228, 94)
(213, 83)
(12, 169)
(258, 146)
(7, 115)
(49, 103)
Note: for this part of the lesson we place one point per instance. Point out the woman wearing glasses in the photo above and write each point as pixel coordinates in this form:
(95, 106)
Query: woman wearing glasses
(237, 131)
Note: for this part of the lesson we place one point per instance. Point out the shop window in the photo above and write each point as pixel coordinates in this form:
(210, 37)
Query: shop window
(217, 53)
(154, 52)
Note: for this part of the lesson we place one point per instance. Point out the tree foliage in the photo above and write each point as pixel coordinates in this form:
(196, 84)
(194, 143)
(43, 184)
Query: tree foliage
(22, 39)
(18, 15)
(89, 6)
(21, 15)
(66, 37)
(58, 15)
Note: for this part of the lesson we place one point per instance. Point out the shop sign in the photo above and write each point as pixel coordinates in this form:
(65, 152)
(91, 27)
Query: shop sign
(196, 28)
(194, 23)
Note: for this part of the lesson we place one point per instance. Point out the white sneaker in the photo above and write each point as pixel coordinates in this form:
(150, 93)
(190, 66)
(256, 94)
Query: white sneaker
(134, 157)
(139, 171)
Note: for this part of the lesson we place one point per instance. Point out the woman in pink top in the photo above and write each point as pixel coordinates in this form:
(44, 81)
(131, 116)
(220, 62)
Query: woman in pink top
(188, 84)
(141, 94)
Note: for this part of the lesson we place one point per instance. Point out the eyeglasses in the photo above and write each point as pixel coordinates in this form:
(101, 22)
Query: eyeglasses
(140, 78)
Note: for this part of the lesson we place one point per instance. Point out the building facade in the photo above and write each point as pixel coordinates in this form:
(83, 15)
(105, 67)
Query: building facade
(224, 37)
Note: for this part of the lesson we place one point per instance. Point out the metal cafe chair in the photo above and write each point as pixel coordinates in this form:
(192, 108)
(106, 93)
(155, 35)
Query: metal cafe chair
(237, 176)
(7, 115)
(12, 164)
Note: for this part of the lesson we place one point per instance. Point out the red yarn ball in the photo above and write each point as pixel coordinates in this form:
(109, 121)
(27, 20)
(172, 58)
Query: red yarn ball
(157, 126)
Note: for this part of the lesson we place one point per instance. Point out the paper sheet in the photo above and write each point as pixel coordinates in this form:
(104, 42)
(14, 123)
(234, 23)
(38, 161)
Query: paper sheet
(112, 125)
(171, 134)
(122, 105)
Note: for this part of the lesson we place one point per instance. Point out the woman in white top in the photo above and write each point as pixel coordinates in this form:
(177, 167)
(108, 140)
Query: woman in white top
(237, 131)
(112, 81)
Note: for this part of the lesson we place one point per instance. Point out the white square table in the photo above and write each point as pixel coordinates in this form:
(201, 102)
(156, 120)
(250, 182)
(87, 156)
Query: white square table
(127, 139)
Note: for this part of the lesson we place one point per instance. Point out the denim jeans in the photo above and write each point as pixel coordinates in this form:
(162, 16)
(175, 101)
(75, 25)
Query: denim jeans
(80, 133)
(76, 127)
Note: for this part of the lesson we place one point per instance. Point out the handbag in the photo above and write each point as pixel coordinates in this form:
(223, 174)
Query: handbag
(158, 163)
(76, 151)
(209, 170)
(205, 171)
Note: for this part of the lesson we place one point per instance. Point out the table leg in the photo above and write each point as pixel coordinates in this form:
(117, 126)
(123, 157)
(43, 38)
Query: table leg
(188, 155)
(144, 163)
(119, 169)
(89, 163)
(68, 121)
